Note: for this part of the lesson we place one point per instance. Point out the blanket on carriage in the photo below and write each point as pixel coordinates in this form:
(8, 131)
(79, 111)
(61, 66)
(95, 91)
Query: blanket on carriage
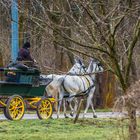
(20, 73)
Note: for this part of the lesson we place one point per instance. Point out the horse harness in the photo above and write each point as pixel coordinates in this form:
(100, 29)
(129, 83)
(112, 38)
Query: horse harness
(83, 93)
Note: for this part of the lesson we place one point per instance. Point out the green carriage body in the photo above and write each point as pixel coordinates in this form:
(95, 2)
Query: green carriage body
(26, 83)
(20, 89)
(27, 90)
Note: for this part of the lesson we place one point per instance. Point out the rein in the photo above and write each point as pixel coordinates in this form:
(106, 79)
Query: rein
(79, 94)
(61, 72)
(70, 74)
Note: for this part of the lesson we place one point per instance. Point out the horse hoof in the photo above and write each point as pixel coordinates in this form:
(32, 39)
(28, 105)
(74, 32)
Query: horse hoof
(94, 116)
(66, 117)
(71, 114)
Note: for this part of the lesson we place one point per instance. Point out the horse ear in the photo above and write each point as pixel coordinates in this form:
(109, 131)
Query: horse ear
(80, 61)
(76, 60)
(94, 59)
(90, 67)
(91, 60)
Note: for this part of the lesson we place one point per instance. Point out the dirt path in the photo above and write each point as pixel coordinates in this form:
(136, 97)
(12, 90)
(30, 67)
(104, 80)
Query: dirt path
(88, 115)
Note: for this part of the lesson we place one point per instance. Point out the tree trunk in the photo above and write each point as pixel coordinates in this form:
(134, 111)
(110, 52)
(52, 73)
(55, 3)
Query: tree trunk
(133, 123)
(134, 71)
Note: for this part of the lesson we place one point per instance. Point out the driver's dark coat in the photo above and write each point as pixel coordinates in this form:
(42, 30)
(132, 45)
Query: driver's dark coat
(24, 55)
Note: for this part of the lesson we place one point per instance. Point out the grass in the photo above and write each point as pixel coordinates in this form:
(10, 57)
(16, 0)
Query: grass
(64, 129)
(103, 110)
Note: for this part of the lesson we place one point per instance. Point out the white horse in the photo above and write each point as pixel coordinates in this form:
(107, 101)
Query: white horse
(52, 88)
(81, 85)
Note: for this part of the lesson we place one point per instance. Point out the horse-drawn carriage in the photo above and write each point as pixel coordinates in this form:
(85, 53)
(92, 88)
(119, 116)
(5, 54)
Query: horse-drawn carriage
(22, 89)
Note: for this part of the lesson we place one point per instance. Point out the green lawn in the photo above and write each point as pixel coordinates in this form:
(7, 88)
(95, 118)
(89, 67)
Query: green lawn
(64, 129)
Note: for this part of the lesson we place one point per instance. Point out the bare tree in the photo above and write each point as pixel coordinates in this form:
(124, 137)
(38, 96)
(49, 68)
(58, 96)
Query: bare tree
(107, 30)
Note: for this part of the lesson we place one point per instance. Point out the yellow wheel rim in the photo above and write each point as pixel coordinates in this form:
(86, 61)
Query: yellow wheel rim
(45, 109)
(16, 108)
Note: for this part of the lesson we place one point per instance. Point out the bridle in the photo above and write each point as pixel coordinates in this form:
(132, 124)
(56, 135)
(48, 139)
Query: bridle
(81, 68)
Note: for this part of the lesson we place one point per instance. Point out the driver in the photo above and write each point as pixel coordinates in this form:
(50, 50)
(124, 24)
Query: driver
(24, 53)
(24, 62)
(25, 56)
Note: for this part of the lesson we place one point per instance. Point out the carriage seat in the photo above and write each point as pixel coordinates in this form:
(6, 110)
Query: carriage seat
(13, 83)
(20, 73)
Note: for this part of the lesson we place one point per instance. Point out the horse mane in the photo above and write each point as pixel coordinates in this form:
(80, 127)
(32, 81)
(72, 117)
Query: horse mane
(90, 67)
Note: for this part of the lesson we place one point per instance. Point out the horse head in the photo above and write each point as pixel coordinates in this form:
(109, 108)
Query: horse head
(94, 66)
(78, 67)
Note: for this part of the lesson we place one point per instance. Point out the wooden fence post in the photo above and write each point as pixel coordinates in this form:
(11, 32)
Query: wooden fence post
(78, 111)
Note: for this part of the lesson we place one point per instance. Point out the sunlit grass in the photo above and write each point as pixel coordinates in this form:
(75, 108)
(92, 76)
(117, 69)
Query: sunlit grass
(64, 129)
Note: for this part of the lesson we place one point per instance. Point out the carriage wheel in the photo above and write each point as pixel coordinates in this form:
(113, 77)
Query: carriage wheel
(15, 108)
(4, 110)
(44, 109)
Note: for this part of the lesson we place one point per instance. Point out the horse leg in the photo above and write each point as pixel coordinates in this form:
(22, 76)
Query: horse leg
(73, 110)
(89, 101)
(94, 114)
(58, 110)
(92, 106)
(86, 109)
(75, 106)
(69, 101)
(59, 105)
(70, 106)
(64, 106)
